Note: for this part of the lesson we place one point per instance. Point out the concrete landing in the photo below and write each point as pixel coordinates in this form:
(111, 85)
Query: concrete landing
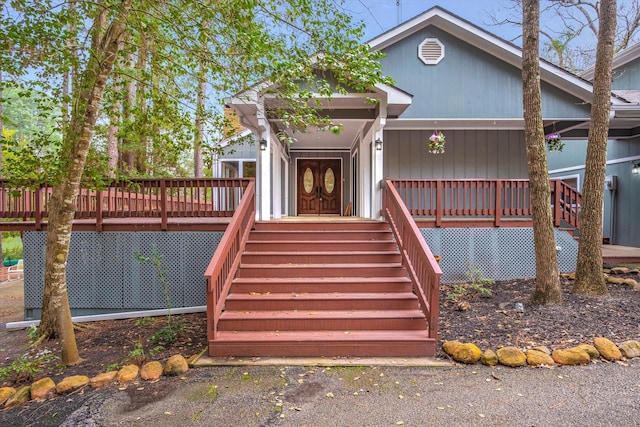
(206, 361)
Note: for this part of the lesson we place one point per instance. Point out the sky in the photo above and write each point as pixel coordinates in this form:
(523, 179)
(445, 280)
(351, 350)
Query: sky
(382, 15)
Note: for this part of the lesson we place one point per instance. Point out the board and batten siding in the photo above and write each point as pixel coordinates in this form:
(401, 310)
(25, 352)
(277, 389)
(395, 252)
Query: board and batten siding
(467, 82)
(240, 151)
(468, 154)
(627, 76)
(621, 206)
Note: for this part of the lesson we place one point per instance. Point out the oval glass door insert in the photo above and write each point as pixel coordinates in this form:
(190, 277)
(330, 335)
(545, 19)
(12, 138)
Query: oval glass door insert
(307, 180)
(329, 181)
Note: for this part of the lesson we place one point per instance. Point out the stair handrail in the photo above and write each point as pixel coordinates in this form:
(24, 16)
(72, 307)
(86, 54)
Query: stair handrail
(567, 202)
(226, 258)
(424, 270)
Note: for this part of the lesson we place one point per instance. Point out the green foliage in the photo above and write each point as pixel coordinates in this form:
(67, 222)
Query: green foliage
(144, 321)
(25, 368)
(155, 350)
(168, 334)
(32, 332)
(292, 49)
(477, 284)
(11, 247)
(113, 367)
(175, 326)
(157, 261)
(137, 355)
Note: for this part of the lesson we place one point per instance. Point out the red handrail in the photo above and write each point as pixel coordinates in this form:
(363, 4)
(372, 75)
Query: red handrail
(138, 198)
(417, 258)
(226, 259)
(496, 199)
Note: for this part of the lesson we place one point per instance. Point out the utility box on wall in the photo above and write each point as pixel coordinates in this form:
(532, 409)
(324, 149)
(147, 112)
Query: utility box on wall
(611, 182)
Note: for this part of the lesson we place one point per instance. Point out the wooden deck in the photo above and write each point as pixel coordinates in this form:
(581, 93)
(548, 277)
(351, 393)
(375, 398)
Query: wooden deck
(135, 205)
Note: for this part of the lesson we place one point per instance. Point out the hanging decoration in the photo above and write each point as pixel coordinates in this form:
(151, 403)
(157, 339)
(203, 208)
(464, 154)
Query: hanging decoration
(554, 142)
(436, 143)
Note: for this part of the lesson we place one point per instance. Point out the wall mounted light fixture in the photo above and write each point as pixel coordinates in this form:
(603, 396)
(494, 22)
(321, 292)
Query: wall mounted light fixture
(378, 144)
(635, 169)
(263, 144)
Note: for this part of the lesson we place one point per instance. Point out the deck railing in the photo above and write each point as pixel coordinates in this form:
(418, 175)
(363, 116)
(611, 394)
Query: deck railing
(138, 198)
(417, 258)
(225, 261)
(433, 201)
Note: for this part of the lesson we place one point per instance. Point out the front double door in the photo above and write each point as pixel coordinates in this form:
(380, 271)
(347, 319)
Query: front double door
(319, 186)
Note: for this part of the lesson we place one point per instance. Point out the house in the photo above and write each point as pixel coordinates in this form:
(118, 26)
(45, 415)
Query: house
(277, 265)
(622, 184)
(450, 76)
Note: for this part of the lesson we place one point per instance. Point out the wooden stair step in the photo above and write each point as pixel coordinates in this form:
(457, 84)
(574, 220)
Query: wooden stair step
(321, 225)
(322, 284)
(337, 257)
(310, 236)
(321, 245)
(321, 301)
(306, 320)
(321, 270)
(345, 343)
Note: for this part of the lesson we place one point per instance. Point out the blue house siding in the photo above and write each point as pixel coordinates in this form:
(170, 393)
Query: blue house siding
(468, 82)
(621, 206)
(468, 154)
(627, 76)
(104, 276)
(239, 151)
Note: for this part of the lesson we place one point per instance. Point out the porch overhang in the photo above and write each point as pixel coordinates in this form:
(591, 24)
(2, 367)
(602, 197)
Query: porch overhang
(352, 111)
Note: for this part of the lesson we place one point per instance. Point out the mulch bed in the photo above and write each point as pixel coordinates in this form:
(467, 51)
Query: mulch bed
(494, 321)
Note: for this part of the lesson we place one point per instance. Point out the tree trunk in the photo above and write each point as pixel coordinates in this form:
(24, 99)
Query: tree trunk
(547, 290)
(56, 315)
(1, 147)
(128, 152)
(197, 140)
(589, 277)
(141, 106)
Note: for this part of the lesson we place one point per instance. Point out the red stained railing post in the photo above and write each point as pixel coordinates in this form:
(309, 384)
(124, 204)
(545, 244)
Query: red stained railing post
(163, 204)
(439, 204)
(37, 208)
(99, 201)
(498, 207)
(557, 201)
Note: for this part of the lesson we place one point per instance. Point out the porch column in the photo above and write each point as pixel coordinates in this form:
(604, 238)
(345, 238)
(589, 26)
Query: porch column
(377, 172)
(263, 164)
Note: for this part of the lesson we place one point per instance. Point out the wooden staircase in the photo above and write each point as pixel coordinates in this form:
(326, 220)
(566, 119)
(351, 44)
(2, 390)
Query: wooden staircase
(334, 288)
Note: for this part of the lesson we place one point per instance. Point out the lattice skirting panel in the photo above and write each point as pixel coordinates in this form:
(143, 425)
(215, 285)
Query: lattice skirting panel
(499, 253)
(105, 276)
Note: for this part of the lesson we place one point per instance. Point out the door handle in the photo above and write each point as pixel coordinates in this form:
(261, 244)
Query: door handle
(319, 192)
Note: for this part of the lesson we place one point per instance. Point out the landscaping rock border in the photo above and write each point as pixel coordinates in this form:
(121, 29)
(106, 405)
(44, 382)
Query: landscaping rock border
(45, 387)
(601, 349)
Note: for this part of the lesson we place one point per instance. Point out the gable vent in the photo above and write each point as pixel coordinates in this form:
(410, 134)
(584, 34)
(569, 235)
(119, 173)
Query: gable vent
(431, 51)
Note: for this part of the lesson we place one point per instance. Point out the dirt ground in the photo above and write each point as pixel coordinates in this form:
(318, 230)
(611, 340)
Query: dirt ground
(490, 322)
